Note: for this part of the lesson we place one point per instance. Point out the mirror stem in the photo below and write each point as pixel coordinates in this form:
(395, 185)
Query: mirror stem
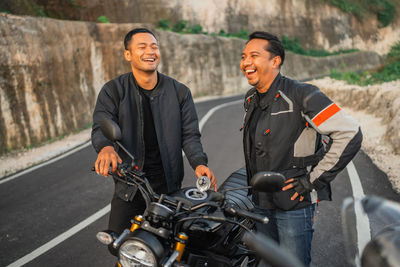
(127, 152)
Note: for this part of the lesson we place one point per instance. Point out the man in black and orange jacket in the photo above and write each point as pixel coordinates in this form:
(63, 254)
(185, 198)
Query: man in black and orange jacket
(285, 127)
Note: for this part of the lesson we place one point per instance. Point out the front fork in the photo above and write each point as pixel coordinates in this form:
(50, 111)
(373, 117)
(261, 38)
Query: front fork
(180, 242)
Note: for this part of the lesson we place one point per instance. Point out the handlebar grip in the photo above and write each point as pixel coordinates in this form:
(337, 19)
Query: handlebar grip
(247, 214)
(121, 168)
(109, 170)
(270, 251)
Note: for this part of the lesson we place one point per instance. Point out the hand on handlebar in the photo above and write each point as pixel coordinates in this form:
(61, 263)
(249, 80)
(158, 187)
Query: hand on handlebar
(203, 170)
(107, 156)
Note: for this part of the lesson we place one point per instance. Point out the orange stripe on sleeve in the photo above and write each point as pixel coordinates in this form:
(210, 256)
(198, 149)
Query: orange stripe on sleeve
(325, 114)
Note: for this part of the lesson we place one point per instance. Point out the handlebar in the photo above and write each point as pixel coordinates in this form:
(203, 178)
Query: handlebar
(269, 250)
(244, 213)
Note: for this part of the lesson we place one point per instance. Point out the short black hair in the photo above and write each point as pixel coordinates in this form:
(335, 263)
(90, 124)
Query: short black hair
(274, 46)
(129, 35)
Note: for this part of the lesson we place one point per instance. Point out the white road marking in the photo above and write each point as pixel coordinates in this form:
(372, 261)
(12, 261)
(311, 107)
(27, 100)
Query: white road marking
(362, 220)
(214, 109)
(54, 242)
(28, 170)
(211, 112)
(62, 237)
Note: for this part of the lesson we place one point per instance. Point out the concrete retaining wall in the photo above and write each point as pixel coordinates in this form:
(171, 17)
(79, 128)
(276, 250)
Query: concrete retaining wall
(51, 71)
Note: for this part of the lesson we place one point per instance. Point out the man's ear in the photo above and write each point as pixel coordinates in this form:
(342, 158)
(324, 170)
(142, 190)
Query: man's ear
(277, 61)
(128, 55)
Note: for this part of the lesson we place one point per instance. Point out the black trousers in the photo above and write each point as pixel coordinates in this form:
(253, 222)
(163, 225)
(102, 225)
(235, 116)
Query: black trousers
(121, 214)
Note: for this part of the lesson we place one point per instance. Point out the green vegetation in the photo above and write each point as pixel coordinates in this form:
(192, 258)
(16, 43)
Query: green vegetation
(103, 19)
(243, 34)
(294, 46)
(163, 24)
(65, 9)
(182, 27)
(384, 10)
(388, 71)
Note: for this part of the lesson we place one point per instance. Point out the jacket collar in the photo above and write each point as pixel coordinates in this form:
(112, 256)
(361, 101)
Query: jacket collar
(157, 90)
(270, 94)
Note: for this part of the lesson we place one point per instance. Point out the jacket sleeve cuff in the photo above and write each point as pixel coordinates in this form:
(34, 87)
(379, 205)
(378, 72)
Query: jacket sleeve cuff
(318, 184)
(198, 161)
(100, 145)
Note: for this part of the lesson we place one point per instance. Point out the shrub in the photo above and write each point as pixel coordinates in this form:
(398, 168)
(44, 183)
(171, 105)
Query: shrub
(293, 45)
(163, 24)
(389, 71)
(384, 10)
(103, 19)
(179, 26)
(196, 29)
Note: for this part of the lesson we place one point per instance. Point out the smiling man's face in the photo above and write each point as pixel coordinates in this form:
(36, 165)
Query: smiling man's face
(143, 52)
(258, 65)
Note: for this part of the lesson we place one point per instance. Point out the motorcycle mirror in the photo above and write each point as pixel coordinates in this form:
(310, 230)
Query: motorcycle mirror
(110, 129)
(383, 249)
(267, 182)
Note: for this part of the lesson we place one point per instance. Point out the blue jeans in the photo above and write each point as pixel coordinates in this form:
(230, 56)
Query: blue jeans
(292, 229)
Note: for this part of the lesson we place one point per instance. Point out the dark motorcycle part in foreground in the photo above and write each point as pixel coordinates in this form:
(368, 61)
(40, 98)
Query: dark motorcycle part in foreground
(383, 248)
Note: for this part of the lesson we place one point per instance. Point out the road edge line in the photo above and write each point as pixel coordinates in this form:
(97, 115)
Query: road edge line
(362, 220)
(46, 162)
(62, 237)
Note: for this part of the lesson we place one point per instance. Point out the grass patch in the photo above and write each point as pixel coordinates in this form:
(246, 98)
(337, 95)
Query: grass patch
(384, 10)
(293, 45)
(103, 19)
(63, 10)
(388, 71)
(183, 27)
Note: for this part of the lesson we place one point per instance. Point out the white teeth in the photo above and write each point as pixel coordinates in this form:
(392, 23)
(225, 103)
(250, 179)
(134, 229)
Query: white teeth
(150, 60)
(250, 71)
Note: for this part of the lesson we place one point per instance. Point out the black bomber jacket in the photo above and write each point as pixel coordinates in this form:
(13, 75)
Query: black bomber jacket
(175, 121)
(294, 117)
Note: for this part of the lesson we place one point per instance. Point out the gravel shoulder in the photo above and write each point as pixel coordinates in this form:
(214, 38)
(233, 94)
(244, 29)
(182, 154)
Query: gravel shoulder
(376, 109)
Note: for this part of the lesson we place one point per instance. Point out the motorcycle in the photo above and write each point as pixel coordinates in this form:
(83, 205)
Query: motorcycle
(194, 226)
(383, 248)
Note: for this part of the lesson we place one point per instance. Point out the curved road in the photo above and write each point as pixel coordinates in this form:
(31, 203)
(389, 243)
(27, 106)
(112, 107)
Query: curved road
(46, 203)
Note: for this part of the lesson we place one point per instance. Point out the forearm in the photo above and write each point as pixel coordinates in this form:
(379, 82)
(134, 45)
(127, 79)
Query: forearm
(344, 147)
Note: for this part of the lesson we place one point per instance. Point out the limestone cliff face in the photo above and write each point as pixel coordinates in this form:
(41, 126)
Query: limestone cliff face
(51, 71)
(316, 24)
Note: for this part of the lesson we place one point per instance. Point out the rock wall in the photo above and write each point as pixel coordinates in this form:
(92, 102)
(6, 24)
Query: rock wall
(315, 23)
(51, 71)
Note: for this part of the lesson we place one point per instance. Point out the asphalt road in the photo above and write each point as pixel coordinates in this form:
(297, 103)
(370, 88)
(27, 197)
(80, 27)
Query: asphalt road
(39, 206)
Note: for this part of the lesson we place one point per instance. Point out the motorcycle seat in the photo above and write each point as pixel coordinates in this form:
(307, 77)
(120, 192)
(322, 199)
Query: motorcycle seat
(240, 197)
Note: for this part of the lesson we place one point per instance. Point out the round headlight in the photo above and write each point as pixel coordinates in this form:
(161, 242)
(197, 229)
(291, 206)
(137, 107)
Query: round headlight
(135, 253)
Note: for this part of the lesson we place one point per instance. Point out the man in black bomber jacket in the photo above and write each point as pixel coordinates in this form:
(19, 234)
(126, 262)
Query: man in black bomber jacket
(285, 126)
(157, 118)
